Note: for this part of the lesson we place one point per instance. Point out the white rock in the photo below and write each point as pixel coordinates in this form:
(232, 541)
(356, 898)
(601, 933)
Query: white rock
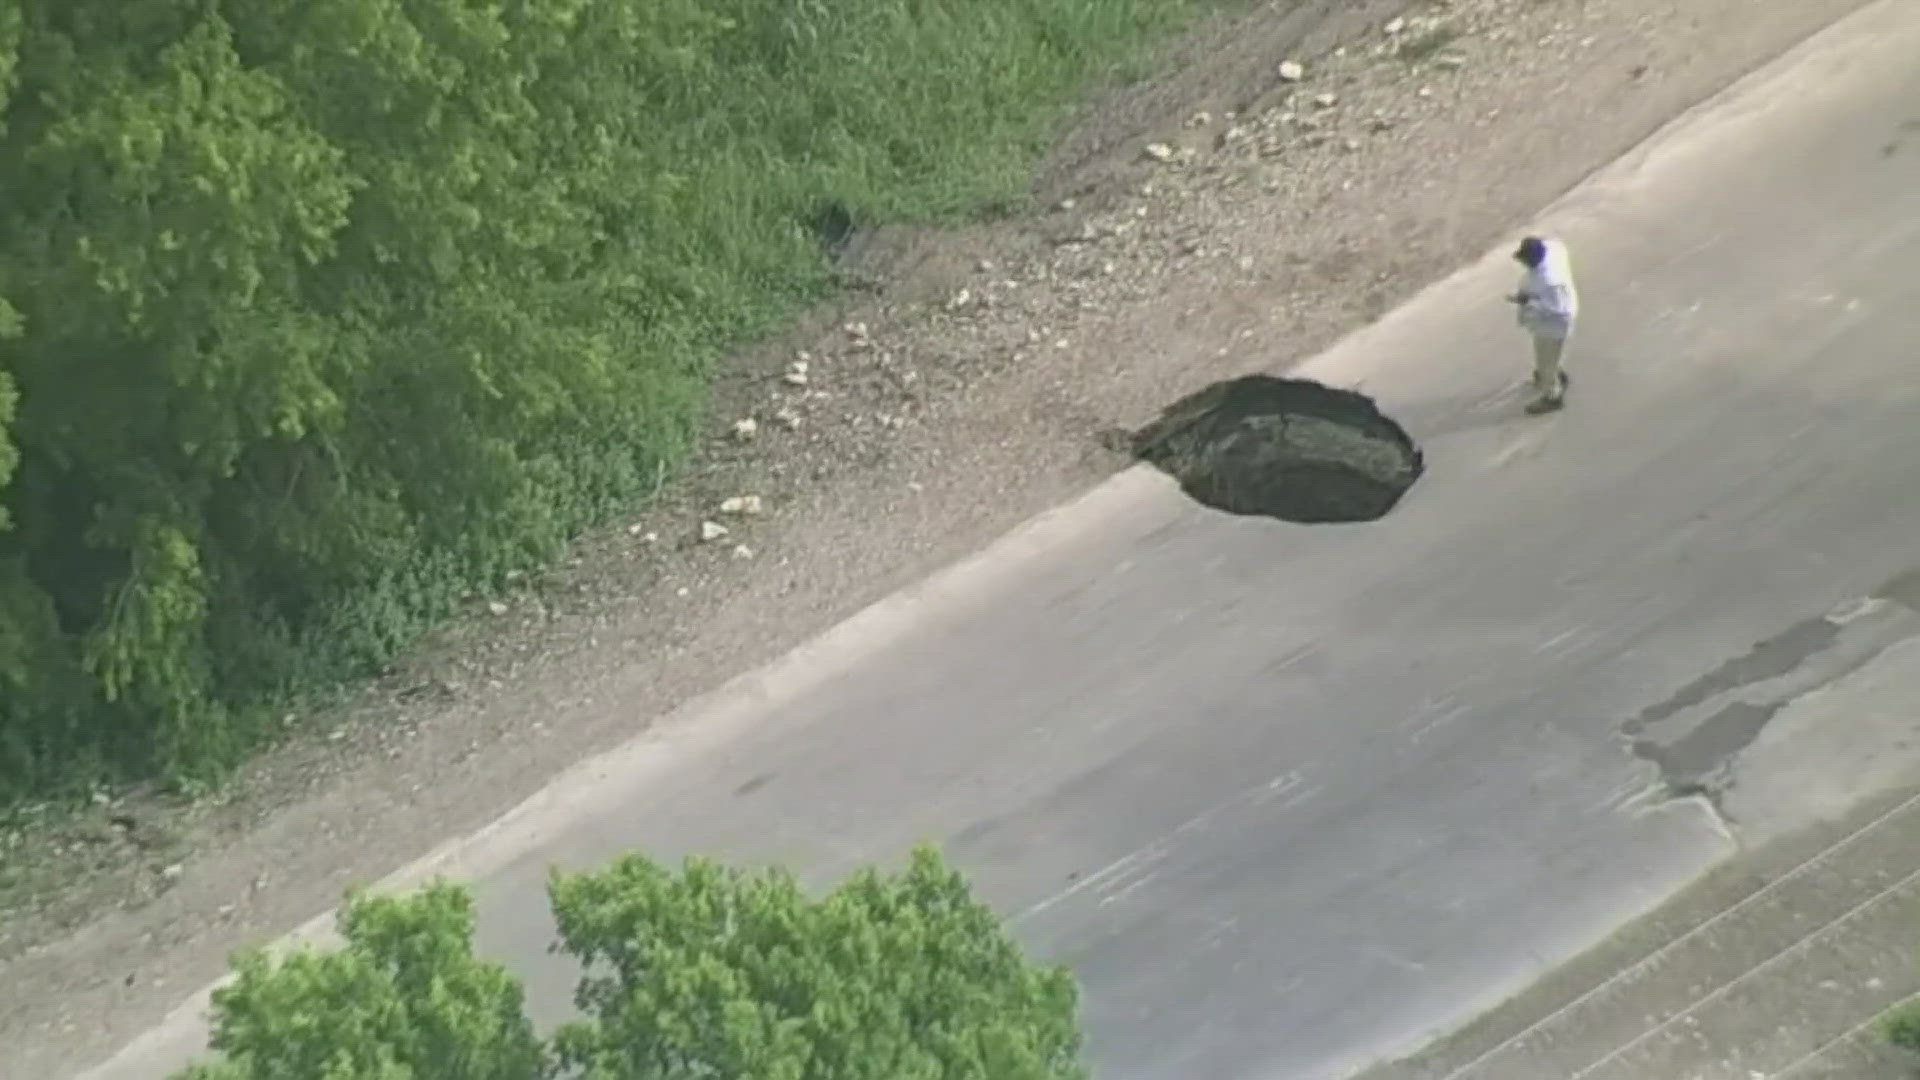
(800, 366)
(788, 419)
(1291, 71)
(1326, 101)
(795, 378)
(711, 531)
(496, 607)
(960, 300)
(172, 871)
(1200, 119)
(748, 505)
(1159, 152)
(742, 551)
(635, 529)
(1394, 26)
(1067, 204)
(746, 428)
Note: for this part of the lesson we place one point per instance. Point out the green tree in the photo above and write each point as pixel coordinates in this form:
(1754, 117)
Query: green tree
(404, 999)
(690, 974)
(1902, 1026)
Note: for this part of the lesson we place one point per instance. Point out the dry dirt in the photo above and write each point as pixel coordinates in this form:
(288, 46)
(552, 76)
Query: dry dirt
(974, 384)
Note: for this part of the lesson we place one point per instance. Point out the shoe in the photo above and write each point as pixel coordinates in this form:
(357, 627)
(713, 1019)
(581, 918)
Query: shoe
(1542, 406)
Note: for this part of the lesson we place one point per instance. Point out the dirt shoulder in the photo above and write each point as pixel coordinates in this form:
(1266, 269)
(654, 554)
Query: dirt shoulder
(968, 390)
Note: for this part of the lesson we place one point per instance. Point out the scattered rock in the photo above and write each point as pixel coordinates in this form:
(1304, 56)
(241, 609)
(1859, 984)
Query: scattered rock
(711, 531)
(1160, 152)
(960, 300)
(172, 871)
(745, 429)
(1325, 101)
(1394, 26)
(742, 551)
(1291, 71)
(1200, 119)
(496, 607)
(745, 505)
(788, 419)
(795, 378)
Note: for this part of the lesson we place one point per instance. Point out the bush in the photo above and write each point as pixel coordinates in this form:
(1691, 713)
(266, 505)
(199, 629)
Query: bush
(316, 315)
(1902, 1026)
(698, 973)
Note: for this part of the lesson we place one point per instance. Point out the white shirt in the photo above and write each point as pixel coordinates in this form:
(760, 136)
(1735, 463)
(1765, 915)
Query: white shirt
(1552, 301)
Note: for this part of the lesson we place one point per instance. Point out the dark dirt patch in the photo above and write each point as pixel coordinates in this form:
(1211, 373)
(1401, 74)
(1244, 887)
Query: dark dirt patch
(1285, 448)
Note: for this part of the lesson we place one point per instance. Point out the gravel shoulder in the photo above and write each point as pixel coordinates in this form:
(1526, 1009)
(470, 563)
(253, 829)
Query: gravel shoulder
(1220, 219)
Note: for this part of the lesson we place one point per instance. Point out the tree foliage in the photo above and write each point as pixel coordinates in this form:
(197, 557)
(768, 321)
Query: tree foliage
(405, 999)
(703, 972)
(317, 315)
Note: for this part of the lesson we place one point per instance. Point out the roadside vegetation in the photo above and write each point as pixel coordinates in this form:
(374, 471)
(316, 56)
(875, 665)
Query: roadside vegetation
(702, 972)
(319, 316)
(1902, 1026)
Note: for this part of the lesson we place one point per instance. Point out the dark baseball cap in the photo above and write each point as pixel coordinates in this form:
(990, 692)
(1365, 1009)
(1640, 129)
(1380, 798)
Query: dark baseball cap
(1531, 250)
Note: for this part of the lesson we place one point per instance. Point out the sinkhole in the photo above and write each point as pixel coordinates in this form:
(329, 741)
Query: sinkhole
(1284, 448)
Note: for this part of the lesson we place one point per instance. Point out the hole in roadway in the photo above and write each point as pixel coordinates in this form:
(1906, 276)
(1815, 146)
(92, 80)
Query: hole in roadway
(1284, 448)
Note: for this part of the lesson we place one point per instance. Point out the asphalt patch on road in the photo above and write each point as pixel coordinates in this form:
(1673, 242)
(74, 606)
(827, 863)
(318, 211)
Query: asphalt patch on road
(1290, 449)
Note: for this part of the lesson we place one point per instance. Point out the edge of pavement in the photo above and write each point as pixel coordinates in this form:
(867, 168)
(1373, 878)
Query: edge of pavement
(715, 717)
(1759, 933)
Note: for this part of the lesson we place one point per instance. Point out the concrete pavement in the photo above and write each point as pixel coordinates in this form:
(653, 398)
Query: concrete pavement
(1292, 799)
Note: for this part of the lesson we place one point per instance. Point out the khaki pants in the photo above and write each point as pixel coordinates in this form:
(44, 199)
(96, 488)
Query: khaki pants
(1548, 379)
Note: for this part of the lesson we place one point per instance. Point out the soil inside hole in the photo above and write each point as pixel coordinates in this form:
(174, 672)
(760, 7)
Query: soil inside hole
(1285, 448)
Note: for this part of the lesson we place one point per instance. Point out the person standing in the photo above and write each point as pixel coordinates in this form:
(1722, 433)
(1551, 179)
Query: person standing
(1548, 304)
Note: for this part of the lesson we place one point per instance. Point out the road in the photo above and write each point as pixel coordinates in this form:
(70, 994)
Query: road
(1292, 798)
